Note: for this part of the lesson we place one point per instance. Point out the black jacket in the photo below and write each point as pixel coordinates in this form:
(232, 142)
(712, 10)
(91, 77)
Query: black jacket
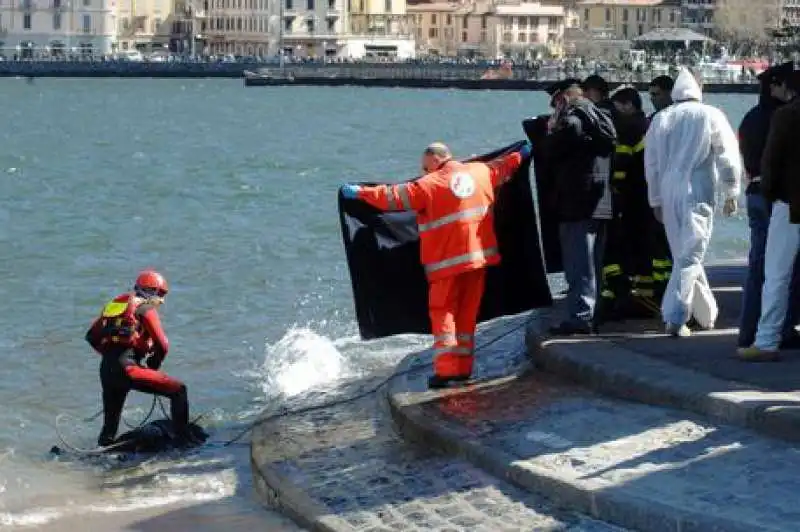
(628, 178)
(580, 149)
(753, 131)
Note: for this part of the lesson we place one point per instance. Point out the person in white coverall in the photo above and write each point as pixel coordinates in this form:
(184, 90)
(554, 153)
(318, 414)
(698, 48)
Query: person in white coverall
(691, 150)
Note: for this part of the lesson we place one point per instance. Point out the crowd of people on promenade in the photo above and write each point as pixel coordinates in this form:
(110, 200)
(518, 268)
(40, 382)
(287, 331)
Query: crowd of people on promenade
(635, 198)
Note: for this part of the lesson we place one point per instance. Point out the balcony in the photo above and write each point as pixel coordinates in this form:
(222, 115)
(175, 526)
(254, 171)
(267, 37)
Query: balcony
(27, 5)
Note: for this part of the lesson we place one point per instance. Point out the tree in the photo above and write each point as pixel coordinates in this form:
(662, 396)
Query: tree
(747, 25)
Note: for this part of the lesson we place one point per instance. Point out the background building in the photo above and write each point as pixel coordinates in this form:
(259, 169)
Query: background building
(143, 24)
(511, 28)
(627, 19)
(55, 27)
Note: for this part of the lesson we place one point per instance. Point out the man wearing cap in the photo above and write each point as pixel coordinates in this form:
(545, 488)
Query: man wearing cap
(580, 144)
(453, 202)
(780, 186)
(691, 151)
(596, 89)
(752, 139)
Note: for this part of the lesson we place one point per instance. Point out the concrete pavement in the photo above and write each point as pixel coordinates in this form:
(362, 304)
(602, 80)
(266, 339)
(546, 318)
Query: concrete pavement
(635, 360)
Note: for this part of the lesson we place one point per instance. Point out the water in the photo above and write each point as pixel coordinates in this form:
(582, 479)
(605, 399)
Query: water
(231, 193)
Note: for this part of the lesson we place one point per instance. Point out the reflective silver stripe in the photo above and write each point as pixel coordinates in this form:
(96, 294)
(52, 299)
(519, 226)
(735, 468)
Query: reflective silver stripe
(461, 351)
(402, 191)
(461, 259)
(465, 337)
(456, 216)
(445, 338)
(390, 198)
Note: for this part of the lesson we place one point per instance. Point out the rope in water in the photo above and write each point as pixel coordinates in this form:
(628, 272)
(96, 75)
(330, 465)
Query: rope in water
(361, 395)
(102, 449)
(276, 415)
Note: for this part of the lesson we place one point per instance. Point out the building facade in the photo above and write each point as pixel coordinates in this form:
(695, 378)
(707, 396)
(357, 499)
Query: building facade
(238, 27)
(627, 19)
(143, 24)
(36, 28)
(378, 17)
(489, 29)
(698, 15)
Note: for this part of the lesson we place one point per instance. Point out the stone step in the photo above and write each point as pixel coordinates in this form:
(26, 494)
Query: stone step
(343, 469)
(641, 467)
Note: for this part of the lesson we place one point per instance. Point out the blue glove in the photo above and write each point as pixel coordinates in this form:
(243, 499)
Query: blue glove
(350, 191)
(525, 150)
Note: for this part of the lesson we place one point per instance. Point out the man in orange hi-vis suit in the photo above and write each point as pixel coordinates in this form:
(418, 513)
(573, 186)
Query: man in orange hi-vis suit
(453, 202)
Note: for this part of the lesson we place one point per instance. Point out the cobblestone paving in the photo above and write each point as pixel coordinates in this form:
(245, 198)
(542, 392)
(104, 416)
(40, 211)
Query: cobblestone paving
(652, 455)
(348, 460)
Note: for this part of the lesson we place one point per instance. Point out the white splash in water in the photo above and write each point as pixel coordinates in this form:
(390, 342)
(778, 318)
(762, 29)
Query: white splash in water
(299, 361)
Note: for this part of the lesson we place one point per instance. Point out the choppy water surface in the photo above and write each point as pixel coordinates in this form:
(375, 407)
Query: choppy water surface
(231, 193)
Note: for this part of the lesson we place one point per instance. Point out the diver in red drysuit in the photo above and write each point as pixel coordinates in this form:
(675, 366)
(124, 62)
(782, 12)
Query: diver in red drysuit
(129, 337)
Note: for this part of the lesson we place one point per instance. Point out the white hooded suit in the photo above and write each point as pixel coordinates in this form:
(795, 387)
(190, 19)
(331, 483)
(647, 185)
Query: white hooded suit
(690, 151)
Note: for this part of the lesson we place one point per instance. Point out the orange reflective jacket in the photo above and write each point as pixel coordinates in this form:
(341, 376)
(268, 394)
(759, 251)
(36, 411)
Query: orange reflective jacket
(454, 212)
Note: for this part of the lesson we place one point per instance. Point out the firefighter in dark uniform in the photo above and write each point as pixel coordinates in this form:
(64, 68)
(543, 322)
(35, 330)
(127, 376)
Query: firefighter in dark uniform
(637, 261)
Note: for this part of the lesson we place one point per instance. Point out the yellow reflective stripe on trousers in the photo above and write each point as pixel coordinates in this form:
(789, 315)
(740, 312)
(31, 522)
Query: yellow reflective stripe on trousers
(639, 146)
(619, 175)
(662, 263)
(450, 218)
(461, 259)
(612, 270)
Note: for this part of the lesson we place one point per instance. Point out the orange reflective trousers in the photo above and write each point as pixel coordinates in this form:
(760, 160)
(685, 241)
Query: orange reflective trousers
(453, 305)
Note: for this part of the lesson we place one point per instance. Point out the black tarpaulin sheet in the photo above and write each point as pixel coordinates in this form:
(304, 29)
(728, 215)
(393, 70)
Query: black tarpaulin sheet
(536, 131)
(389, 285)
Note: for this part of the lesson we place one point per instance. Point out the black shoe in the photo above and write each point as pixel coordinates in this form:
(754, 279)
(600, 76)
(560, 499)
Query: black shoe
(437, 383)
(569, 329)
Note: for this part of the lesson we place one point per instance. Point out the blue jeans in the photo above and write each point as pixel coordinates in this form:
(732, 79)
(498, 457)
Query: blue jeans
(582, 246)
(758, 215)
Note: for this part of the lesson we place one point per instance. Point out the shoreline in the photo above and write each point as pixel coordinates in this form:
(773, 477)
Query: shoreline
(385, 75)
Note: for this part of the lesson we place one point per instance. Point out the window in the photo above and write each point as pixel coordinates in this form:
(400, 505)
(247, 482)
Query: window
(608, 15)
(310, 25)
(484, 22)
(26, 21)
(331, 4)
(433, 33)
(331, 25)
(87, 24)
(87, 3)
(289, 5)
(522, 23)
(387, 6)
(463, 36)
(310, 5)
(433, 18)
(522, 37)
(625, 15)
(287, 25)
(449, 20)
(56, 21)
